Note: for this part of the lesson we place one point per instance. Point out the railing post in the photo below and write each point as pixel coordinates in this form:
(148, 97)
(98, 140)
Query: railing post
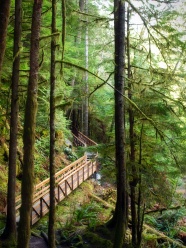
(88, 169)
(65, 188)
(77, 178)
(72, 180)
(41, 207)
(58, 193)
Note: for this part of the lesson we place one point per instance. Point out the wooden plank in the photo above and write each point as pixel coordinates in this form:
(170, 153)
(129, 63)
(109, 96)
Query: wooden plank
(67, 180)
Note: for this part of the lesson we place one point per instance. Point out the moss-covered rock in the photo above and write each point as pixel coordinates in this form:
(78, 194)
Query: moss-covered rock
(97, 241)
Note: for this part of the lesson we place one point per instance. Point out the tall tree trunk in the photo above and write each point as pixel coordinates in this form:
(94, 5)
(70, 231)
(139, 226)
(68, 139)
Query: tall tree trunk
(51, 227)
(4, 17)
(140, 213)
(10, 228)
(86, 131)
(121, 211)
(29, 131)
(134, 177)
(76, 118)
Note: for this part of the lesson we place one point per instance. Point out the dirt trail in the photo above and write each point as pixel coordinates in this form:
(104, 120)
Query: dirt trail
(36, 242)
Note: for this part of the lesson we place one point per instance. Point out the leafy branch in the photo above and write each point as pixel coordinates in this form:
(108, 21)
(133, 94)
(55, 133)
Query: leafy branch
(162, 135)
(149, 32)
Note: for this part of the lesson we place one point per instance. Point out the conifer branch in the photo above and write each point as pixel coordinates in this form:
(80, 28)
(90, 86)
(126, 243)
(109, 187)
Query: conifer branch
(99, 86)
(145, 24)
(133, 104)
(50, 35)
(167, 97)
(80, 68)
(98, 18)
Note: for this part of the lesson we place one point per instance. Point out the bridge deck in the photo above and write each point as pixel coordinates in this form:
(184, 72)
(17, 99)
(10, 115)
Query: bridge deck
(67, 180)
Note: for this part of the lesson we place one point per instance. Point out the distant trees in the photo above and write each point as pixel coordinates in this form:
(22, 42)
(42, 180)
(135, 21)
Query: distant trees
(4, 18)
(86, 101)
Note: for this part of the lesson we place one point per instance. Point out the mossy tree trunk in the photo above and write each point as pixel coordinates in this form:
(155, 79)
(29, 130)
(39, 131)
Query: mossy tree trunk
(4, 18)
(86, 101)
(51, 227)
(29, 131)
(121, 211)
(133, 170)
(10, 228)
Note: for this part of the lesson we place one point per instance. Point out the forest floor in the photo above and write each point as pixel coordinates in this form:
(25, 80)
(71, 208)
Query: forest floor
(80, 219)
(77, 217)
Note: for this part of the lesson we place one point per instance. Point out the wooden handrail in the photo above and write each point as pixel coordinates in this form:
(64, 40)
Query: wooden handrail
(66, 180)
(82, 140)
(59, 176)
(87, 140)
(43, 187)
(78, 142)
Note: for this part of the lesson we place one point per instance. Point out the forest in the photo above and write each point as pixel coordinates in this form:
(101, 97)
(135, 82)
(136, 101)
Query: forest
(98, 84)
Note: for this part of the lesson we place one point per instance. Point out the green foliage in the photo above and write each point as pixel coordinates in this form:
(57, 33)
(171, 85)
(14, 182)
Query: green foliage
(87, 214)
(167, 222)
(4, 181)
(97, 241)
(158, 90)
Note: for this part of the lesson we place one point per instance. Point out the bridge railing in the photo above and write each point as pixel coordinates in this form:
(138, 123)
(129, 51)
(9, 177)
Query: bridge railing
(73, 175)
(78, 142)
(82, 140)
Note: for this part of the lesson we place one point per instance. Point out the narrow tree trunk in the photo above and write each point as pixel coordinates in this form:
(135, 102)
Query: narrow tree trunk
(79, 33)
(86, 131)
(29, 131)
(51, 227)
(4, 17)
(134, 179)
(140, 214)
(10, 228)
(76, 117)
(120, 216)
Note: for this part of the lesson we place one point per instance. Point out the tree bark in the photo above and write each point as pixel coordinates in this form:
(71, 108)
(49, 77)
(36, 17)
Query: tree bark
(121, 210)
(86, 103)
(10, 228)
(29, 131)
(51, 227)
(134, 177)
(4, 18)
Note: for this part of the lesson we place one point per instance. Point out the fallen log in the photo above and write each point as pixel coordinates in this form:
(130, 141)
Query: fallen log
(158, 209)
(98, 199)
(147, 227)
(162, 235)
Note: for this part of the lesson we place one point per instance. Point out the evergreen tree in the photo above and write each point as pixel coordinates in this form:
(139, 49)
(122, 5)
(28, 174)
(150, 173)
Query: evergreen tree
(10, 229)
(51, 226)
(4, 18)
(29, 131)
(120, 217)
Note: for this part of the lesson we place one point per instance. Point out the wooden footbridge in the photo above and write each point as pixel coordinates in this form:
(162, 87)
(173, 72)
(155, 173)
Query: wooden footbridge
(66, 179)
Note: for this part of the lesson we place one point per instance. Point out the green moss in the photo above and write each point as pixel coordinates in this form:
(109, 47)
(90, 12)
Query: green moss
(4, 181)
(149, 236)
(10, 243)
(97, 241)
